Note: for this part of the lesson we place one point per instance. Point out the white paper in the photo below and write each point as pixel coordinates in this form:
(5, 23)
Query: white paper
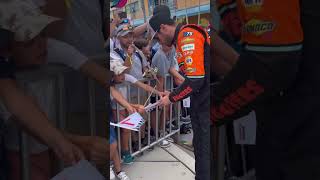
(245, 129)
(186, 102)
(150, 106)
(81, 171)
(132, 122)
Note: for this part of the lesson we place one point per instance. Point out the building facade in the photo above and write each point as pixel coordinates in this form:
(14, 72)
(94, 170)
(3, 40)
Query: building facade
(191, 11)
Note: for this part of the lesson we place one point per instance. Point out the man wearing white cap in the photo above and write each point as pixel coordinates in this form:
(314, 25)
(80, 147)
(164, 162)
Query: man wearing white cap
(120, 77)
(127, 53)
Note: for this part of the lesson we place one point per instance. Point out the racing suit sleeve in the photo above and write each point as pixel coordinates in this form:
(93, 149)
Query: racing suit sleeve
(190, 57)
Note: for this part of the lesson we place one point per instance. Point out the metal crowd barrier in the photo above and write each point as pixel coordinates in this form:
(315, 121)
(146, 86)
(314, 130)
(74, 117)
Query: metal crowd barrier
(172, 118)
(51, 73)
(55, 72)
(222, 163)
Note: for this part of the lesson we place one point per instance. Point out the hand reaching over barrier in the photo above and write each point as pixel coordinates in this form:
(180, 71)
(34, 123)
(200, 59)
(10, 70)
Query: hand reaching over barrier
(139, 108)
(94, 147)
(164, 101)
(69, 153)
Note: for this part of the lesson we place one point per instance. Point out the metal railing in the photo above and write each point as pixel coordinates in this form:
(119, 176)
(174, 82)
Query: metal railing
(174, 116)
(56, 73)
(222, 163)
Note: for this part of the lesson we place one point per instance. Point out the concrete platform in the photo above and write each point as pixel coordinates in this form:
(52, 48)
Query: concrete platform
(162, 164)
(156, 155)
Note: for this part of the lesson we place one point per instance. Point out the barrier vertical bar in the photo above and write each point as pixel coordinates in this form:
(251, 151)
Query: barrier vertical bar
(157, 121)
(243, 158)
(164, 112)
(149, 121)
(139, 140)
(228, 162)
(220, 153)
(61, 98)
(61, 123)
(92, 108)
(118, 128)
(171, 105)
(24, 156)
(130, 101)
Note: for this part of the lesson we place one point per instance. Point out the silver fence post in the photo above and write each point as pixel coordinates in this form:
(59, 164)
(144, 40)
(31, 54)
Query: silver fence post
(139, 140)
(178, 118)
(228, 161)
(244, 161)
(149, 120)
(130, 101)
(24, 156)
(157, 121)
(61, 123)
(221, 153)
(164, 113)
(92, 106)
(118, 128)
(171, 105)
(24, 153)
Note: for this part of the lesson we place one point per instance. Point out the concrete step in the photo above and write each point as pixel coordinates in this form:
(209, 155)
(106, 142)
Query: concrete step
(171, 163)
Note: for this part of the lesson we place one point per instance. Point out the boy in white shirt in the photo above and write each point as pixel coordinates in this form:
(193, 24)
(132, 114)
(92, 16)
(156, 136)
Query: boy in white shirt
(121, 80)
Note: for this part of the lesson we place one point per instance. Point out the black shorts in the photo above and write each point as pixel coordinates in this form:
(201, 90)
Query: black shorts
(154, 99)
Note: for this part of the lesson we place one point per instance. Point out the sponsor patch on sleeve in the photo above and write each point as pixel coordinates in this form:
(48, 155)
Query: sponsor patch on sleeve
(189, 60)
(187, 53)
(187, 34)
(188, 47)
(187, 40)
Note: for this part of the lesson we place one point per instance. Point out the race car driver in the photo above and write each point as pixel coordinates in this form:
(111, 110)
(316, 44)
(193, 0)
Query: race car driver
(193, 54)
(262, 74)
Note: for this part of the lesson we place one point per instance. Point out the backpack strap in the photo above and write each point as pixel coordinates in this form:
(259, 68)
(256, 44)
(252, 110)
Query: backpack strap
(141, 59)
(120, 53)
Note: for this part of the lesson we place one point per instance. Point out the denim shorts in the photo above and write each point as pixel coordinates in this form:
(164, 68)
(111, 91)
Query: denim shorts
(112, 133)
(113, 136)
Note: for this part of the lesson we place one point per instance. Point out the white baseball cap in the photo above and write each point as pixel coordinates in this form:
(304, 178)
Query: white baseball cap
(23, 18)
(117, 67)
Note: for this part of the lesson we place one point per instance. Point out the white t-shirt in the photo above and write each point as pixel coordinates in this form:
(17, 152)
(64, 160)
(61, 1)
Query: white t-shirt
(43, 90)
(123, 89)
(63, 53)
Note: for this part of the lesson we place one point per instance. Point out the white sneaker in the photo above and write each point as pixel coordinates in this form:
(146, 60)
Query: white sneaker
(123, 176)
(112, 175)
(170, 139)
(164, 144)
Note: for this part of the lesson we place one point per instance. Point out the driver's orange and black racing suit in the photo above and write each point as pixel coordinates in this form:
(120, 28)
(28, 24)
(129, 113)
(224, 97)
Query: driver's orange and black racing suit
(299, 113)
(193, 55)
(264, 73)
